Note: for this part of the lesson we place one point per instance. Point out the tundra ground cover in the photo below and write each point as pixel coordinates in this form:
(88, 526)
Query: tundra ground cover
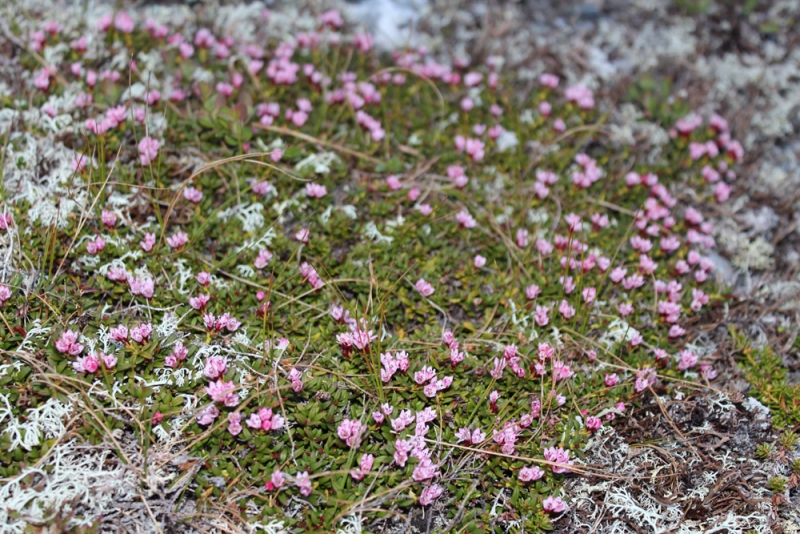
(297, 283)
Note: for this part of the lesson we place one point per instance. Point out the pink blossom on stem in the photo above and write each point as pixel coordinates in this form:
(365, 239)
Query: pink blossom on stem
(192, 194)
(303, 482)
(68, 343)
(528, 474)
(223, 392)
(554, 505)
(425, 288)
(430, 494)
(148, 150)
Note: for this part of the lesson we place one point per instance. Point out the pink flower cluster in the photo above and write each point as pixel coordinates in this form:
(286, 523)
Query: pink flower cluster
(5, 294)
(224, 321)
(310, 274)
(559, 456)
(351, 432)
(391, 364)
(434, 385)
(224, 392)
(474, 148)
(476, 437)
(148, 150)
(364, 467)
(265, 420)
(142, 286)
(68, 343)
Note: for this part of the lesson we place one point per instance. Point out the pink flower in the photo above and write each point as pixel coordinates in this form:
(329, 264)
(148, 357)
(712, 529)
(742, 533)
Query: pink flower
(393, 183)
(120, 334)
(178, 239)
(554, 505)
(465, 219)
(116, 116)
(152, 97)
(148, 242)
(223, 392)
(351, 431)
(560, 456)
(676, 331)
(225, 89)
(425, 288)
(315, 190)
(87, 364)
(141, 333)
(522, 238)
(633, 281)
(593, 423)
(494, 396)
(479, 261)
(178, 354)
(722, 192)
(109, 360)
(364, 466)
(234, 423)
(540, 316)
(567, 311)
(254, 421)
(403, 419)
(708, 372)
(42, 79)
(589, 293)
(148, 150)
(474, 149)
(302, 235)
(611, 380)
(304, 483)
(207, 416)
(331, 18)
(123, 22)
(527, 474)
(108, 219)
(295, 377)
(299, 118)
(96, 245)
(646, 264)
(203, 278)
(193, 194)
(68, 343)
(215, 367)
(581, 95)
(413, 194)
(363, 41)
(186, 50)
(532, 291)
(688, 123)
(263, 258)
(430, 494)
(425, 470)
(425, 374)
(688, 360)
(199, 302)
(549, 80)
(276, 481)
